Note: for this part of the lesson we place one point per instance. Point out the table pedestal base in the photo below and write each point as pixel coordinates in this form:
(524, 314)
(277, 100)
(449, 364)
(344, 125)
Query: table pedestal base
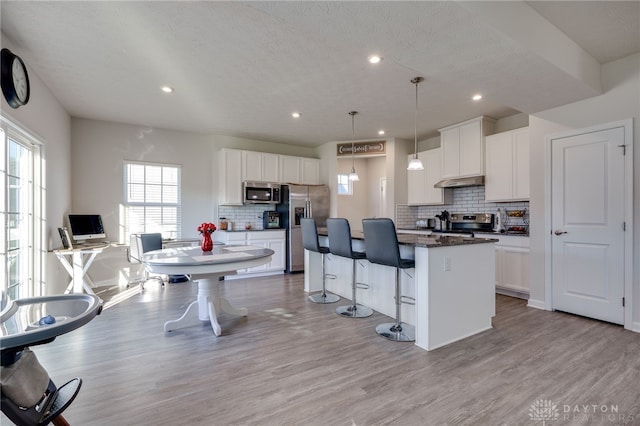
(207, 307)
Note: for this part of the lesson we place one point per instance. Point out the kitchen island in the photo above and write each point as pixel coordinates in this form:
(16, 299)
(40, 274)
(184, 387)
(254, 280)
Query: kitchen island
(453, 284)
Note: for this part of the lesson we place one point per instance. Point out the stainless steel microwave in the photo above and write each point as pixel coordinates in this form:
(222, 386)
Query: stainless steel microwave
(260, 193)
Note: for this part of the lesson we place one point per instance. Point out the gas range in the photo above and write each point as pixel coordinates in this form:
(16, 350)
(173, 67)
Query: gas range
(468, 223)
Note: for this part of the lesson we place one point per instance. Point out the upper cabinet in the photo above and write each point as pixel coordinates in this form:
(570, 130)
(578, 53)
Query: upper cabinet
(463, 147)
(260, 167)
(230, 177)
(300, 170)
(507, 166)
(237, 166)
(420, 182)
(310, 171)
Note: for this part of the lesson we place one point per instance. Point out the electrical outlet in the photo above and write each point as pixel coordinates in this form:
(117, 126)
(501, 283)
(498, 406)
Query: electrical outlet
(447, 264)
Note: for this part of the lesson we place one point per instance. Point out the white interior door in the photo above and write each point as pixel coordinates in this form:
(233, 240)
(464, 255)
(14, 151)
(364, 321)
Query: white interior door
(587, 217)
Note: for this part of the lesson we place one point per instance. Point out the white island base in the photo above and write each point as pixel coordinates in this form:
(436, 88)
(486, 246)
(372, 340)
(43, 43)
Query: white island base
(455, 293)
(454, 288)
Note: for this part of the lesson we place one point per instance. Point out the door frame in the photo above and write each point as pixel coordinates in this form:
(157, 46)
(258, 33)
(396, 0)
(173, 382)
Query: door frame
(627, 125)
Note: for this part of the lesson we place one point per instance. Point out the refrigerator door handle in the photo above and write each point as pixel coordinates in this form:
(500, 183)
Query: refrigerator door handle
(309, 211)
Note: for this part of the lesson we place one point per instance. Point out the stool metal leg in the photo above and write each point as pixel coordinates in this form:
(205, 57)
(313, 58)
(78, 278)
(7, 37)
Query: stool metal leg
(398, 331)
(354, 310)
(324, 297)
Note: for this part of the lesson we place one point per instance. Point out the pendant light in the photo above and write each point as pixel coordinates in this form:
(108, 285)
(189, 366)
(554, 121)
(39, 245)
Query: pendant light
(415, 163)
(353, 176)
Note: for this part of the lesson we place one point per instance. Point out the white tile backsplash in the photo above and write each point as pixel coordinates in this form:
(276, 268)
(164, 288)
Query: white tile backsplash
(465, 200)
(240, 216)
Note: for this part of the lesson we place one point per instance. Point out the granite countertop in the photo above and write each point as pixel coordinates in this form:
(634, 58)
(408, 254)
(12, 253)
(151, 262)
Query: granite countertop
(430, 241)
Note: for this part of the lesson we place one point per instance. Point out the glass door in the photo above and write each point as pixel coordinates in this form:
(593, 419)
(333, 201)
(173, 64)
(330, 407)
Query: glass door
(21, 256)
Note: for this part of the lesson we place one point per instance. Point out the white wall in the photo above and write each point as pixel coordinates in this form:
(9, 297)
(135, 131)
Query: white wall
(355, 206)
(46, 119)
(98, 152)
(620, 100)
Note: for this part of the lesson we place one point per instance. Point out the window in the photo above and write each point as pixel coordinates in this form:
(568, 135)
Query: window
(152, 199)
(345, 186)
(21, 221)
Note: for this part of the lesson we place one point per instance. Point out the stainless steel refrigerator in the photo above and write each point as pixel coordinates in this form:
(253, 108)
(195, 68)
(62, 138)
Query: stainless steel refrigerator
(300, 201)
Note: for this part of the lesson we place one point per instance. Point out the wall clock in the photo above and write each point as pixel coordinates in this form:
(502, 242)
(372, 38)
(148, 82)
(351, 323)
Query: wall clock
(14, 79)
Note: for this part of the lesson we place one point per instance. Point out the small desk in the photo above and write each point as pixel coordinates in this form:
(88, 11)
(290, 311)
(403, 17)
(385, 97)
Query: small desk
(207, 268)
(77, 262)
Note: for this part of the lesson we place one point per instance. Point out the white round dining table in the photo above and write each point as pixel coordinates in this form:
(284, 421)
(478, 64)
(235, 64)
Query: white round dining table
(206, 269)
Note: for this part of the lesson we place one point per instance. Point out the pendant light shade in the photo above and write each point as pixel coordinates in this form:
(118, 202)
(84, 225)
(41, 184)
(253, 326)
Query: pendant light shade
(353, 176)
(415, 163)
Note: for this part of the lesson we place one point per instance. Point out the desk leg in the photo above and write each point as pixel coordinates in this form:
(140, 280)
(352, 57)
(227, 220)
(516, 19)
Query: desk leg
(209, 305)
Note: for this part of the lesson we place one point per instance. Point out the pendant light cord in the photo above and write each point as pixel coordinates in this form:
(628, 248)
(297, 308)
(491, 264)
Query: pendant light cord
(415, 124)
(353, 140)
(416, 81)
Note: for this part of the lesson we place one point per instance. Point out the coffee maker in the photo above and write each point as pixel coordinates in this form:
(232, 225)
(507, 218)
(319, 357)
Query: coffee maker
(270, 219)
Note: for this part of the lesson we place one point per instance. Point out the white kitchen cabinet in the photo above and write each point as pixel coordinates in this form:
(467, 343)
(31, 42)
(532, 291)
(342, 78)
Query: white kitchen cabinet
(420, 182)
(299, 170)
(512, 265)
(507, 166)
(260, 166)
(289, 169)
(274, 240)
(237, 166)
(271, 239)
(309, 171)
(463, 147)
(230, 177)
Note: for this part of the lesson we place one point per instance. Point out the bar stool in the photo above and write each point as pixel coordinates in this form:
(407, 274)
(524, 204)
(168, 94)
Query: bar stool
(311, 243)
(340, 245)
(381, 246)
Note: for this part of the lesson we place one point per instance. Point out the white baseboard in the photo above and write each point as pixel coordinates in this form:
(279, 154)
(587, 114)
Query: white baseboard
(635, 326)
(538, 304)
(253, 275)
(513, 293)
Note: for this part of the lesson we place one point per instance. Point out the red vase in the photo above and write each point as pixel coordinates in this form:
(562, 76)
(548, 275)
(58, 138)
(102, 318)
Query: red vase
(207, 243)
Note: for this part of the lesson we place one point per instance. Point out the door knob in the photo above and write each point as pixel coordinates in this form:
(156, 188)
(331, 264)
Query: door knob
(559, 232)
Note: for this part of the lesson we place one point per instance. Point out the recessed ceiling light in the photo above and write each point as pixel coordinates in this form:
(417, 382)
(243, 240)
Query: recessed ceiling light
(167, 89)
(381, 132)
(476, 97)
(295, 114)
(375, 59)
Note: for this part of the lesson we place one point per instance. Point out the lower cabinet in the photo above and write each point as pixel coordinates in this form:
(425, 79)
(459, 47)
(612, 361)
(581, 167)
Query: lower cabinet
(512, 265)
(271, 239)
(274, 240)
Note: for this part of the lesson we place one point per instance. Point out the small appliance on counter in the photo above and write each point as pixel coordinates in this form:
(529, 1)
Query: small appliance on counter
(270, 219)
(499, 222)
(425, 223)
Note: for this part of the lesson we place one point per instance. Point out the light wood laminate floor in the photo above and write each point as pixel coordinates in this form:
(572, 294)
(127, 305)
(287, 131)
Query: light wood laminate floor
(293, 362)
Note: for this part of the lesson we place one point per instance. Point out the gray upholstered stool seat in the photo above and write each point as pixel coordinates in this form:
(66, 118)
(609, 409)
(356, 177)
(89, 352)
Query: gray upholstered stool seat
(340, 244)
(381, 246)
(311, 243)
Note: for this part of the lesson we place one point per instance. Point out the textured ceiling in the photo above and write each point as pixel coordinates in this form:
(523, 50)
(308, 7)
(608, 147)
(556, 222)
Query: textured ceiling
(241, 68)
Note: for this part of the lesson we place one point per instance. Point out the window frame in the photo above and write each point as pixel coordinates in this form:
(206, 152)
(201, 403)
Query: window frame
(172, 231)
(345, 176)
(32, 250)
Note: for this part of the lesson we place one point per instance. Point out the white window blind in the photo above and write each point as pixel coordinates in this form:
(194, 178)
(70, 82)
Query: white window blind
(152, 199)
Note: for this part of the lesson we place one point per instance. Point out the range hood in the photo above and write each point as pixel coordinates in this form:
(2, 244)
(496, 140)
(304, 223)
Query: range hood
(460, 182)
